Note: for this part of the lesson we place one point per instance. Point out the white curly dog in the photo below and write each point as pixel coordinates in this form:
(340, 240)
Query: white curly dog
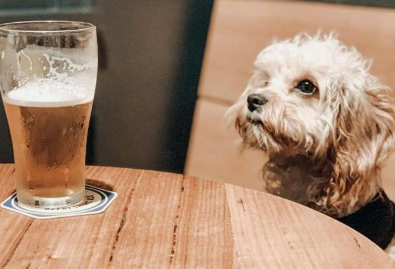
(327, 126)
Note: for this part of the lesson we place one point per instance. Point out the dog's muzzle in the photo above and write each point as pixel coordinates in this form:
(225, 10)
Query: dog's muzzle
(255, 101)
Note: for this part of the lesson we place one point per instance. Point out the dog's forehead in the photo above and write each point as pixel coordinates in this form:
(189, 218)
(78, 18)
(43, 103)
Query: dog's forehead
(288, 53)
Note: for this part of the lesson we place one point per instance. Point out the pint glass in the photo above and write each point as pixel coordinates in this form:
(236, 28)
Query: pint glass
(48, 75)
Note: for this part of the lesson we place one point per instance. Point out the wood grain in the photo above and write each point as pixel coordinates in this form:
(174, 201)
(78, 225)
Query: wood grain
(295, 242)
(51, 243)
(163, 220)
(10, 241)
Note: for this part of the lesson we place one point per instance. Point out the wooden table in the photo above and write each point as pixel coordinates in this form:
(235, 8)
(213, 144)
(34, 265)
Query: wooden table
(163, 220)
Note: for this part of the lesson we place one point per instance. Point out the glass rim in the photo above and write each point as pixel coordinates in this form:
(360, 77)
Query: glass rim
(85, 27)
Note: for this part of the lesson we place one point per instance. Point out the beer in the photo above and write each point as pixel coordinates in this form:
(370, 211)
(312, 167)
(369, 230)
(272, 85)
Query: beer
(48, 123)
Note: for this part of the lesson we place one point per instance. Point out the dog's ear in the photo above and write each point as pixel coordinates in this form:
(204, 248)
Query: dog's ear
(363, 138)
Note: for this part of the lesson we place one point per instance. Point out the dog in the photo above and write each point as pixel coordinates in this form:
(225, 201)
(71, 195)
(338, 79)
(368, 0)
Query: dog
(327, 126)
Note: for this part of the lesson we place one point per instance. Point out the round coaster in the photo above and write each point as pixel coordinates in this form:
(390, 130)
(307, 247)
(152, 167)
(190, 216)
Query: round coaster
(94, 198)
(97, 200)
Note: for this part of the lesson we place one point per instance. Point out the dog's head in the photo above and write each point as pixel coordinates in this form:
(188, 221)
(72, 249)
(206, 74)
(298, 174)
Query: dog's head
(315, 96)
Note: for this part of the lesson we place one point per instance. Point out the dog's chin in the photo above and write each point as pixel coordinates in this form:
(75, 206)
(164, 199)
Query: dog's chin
(255, 122)
(267, 138)
(257, 134)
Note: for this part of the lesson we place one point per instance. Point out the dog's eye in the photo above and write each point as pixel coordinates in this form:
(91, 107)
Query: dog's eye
(262, 83)
(306, 87)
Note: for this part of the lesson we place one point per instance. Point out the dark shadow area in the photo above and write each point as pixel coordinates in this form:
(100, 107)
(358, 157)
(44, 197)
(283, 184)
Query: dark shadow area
(5, 139)
(99, 184)
(184, 94)
(150, 56)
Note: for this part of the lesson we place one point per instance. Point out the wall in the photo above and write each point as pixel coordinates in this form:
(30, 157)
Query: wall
(149, 66)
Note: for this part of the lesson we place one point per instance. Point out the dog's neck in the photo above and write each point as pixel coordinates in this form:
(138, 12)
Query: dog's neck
(292, 177)
(289, 177)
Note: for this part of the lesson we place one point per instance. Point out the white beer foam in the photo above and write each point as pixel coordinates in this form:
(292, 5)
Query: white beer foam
(47, 93)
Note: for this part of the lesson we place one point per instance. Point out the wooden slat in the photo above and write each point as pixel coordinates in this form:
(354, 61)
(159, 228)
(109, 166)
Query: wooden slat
(288, 242)
(10, 241)
(150, 217)
(241, 29)
(162, 215)
(163, 220)
(157, 219)
(90, 239)
(203, 225)
(105, 241)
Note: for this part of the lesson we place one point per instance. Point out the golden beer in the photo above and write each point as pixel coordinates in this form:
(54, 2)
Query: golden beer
(48, 77)
(49, 145)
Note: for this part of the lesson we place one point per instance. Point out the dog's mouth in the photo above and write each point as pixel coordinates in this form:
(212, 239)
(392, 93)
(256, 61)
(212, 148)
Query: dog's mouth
(269, 131)
(255, 121)
(258, 125)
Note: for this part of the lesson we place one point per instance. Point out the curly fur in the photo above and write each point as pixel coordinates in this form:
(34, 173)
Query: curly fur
(325, 149)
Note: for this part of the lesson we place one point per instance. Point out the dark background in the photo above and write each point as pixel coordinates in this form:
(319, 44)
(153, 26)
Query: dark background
(150, 56)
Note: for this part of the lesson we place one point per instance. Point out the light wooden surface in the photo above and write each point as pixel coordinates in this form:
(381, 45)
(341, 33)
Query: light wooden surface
(163, 220)
(239, 30)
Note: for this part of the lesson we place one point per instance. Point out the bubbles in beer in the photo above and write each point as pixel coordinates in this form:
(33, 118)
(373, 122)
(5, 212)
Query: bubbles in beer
(48, 122)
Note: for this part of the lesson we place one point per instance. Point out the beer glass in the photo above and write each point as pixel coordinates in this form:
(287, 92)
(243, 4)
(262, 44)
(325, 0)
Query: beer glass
(48, 75)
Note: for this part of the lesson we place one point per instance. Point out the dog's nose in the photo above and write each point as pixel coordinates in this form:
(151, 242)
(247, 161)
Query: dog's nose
(255, 101)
